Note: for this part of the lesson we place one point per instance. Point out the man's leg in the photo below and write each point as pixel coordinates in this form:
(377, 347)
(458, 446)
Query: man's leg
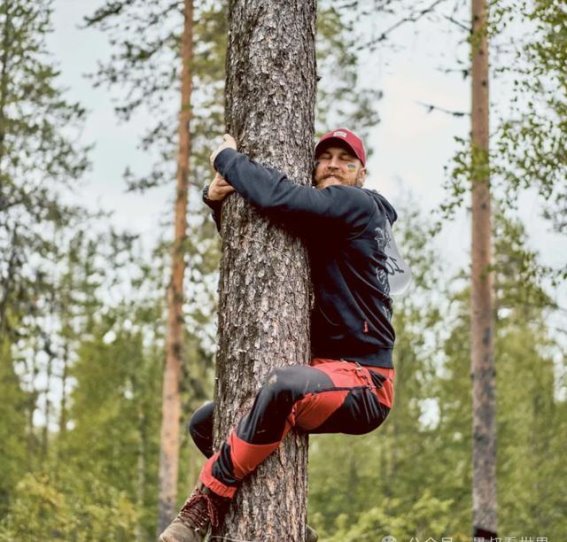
(368, 398)
(201, 431)
(201, 428)
(201, 423)
(256, 436)
(260, 431)
(329, 396)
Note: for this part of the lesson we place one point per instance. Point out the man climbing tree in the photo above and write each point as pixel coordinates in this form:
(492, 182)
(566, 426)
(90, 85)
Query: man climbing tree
(264, 288)
(348, 385)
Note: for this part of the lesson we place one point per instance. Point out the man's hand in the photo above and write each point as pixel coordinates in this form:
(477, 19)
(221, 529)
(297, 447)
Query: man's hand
(227, 143)
(219, 188)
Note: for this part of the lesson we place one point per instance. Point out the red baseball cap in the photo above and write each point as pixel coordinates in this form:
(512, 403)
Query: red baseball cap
(343, 136)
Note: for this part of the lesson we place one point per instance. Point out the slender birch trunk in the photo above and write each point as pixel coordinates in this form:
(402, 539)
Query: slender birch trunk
(170, 438)
(482, 325)
(264, 284)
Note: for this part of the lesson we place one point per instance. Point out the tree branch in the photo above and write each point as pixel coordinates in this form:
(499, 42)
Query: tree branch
(409, 19)
(457, 23)
(430, 108)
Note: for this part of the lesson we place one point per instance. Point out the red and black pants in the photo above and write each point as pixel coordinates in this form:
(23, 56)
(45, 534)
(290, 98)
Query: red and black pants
(328, 396)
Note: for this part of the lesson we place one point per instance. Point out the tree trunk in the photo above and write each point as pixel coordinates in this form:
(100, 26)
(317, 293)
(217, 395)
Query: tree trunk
(169, 443)
(47, 400)
(482, 352)
(141, 481)
(264, 283)
(63, 397)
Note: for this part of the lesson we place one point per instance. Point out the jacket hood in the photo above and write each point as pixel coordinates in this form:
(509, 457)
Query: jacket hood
(381, 201)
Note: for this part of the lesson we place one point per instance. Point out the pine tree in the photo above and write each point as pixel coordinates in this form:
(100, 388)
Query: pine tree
(270, 110)
(39, 159)
(482, 327)
(39, 155)
(171, 403)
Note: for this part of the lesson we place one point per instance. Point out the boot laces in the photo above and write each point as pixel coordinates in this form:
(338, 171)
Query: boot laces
(199, 510)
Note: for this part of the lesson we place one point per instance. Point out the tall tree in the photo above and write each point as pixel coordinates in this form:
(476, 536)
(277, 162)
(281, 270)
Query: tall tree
(482, 327)
(171, 403)
(40, 157)
(264, 285)
(111, 347)
(39, 154)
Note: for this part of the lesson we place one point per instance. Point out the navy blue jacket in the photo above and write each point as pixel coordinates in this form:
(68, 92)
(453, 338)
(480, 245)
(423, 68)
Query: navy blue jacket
(343, 227)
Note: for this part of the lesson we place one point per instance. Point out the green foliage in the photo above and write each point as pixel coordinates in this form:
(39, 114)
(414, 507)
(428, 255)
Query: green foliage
(531, 141)
(530, 429)
(39, 155)
(39, 159)
(529, 136)
(12, 427)
(516, 264)
(76, 509)
(530, 426)
(427, 517)
(109, 353)
(116, 411)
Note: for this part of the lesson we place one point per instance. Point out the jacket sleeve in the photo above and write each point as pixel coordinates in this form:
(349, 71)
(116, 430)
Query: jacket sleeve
(273, 192)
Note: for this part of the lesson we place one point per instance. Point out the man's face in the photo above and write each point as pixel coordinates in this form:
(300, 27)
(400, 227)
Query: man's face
(337, 165)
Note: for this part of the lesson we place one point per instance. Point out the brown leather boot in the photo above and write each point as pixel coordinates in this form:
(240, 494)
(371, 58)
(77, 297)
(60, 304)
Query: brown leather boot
(200, 511)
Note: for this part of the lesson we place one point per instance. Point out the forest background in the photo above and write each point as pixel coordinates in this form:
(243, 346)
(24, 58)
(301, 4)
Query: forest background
(85, 266)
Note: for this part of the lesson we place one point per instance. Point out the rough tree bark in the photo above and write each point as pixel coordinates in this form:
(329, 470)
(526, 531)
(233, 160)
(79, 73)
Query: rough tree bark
(171, 402)
(264, 284)
(482, 351)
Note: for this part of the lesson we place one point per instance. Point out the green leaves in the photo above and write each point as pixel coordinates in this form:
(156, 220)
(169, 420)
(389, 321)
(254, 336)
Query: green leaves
(39, 155)
(530, 137)
(71, 508)
(427, 517)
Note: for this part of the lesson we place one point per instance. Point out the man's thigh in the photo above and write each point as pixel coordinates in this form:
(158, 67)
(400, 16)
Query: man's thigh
(348, 405)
